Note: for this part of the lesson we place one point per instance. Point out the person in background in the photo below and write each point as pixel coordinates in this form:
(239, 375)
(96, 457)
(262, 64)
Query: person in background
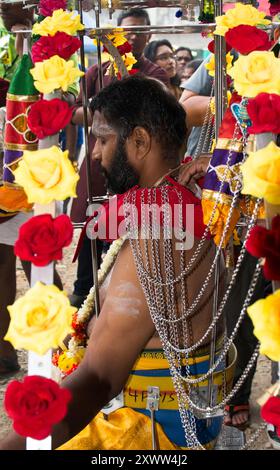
(183, 57)
(161, 53)
(189, 69)
(132, 17)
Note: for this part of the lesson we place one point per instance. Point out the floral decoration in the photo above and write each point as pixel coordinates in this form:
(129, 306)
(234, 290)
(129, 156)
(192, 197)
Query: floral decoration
(258, 72)
(265, 315)
(210, 66)
(47, 117)
(274, 7)
(66, 22)
(60, 44)
(261, 174)
(35, 405)
(47, 175)
(245, 39)
(54, 73)
(47, 7)
(264, 113)
(40, 320)
(42, 238)
(68, 361)
(270, 412)
(240, 14)
(265, 243)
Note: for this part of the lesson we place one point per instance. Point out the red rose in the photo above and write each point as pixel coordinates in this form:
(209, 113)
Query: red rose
(211, 47)
(245, 39)
(60, 44)
(264, 243)
(48, 117)
(274, 7)
(35, 405)
(42, 238)
(270, 412)
(264, 112)
(47, 7)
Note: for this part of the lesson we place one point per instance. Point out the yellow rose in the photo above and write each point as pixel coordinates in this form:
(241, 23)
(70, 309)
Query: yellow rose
(40, 320)
(66, 22)
(46, 175)
(261, 174)
(265, 315)
(240, 14)
(258, 72)
(54, 73)
(210, 66)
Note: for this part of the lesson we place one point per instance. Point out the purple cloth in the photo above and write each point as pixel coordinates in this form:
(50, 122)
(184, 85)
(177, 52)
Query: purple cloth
(9, 157)
(220, 157)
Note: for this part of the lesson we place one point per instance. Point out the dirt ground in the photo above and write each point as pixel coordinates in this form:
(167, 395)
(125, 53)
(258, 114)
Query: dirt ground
(67, 272)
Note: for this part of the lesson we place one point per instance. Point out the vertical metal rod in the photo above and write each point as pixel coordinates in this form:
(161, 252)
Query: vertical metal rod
(88, 167)
(220, 73)
(97, 10)
(153, 423)
(213, 338)
(220, 105)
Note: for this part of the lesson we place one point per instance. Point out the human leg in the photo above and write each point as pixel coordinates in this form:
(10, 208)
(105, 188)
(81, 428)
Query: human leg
(237, 412)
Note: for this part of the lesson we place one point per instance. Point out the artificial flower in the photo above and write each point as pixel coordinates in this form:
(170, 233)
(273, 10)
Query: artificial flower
(35, 405)
(117, 38)
(258, 72)
(265, 243)
(46, 175)
(60, 44)
(245, 39)
(129, 60)
(47, 7)
(240, 14)
(211, 47)
(210, 66)
(67, 22)
(54, 73)
(270, 412)
(40, 320)
(265, 315)
(42, 238)
(261, 174)
(264, 113)
(274, 7)
(47, 117)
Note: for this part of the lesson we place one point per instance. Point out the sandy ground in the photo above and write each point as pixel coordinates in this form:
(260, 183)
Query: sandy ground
(67, 271)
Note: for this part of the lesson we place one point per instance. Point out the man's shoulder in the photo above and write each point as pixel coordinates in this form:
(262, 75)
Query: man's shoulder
(152, 70)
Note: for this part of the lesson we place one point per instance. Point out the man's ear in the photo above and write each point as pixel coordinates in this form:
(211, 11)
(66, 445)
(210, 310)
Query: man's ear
(141, 141)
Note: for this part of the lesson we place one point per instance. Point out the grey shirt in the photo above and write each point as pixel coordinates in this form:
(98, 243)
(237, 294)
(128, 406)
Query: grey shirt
(199, 83)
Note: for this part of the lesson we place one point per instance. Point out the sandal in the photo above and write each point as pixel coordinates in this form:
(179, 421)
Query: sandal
(8, 366)
(232, 410)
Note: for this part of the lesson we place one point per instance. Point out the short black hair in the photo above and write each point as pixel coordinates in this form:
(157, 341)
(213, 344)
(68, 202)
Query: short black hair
(136, 13)
(183, 48)
(150, 51)
(141, 101)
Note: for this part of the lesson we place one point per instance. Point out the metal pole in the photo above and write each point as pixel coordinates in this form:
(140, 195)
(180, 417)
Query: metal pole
(97, 9)
(88, 167)
(220, 106)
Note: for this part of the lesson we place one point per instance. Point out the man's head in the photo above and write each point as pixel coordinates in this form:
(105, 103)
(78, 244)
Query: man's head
(135, 17)
(183, 56)
(137, 124)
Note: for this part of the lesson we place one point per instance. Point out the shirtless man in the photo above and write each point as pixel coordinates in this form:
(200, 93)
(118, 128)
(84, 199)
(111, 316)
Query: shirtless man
(138, 142)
